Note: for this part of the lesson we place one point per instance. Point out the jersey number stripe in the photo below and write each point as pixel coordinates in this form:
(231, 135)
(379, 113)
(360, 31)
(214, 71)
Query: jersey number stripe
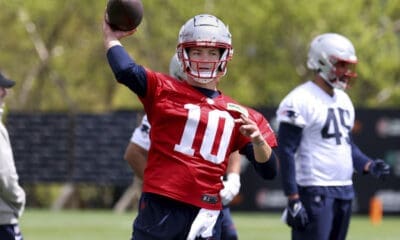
(331, 127)
(209, 137)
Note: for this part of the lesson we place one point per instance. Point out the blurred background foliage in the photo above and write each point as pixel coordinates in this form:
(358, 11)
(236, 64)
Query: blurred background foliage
(54, 49)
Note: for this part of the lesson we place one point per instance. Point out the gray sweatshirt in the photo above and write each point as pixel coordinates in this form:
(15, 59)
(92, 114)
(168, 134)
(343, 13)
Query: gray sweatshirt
(12, 196)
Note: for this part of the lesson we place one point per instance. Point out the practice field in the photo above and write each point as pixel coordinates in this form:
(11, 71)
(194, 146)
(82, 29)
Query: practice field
(38, 224)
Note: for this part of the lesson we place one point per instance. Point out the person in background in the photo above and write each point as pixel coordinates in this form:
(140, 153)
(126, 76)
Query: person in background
(12, 196)
(316, 149)
(195, 128)
(137, 151)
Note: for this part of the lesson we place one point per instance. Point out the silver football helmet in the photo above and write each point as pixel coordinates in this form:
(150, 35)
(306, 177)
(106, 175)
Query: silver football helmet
(325, 51)
(204, 31)
(175, 68)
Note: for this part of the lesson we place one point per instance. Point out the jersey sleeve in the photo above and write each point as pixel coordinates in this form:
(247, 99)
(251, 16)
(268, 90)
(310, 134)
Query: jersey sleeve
(265, 128)
(267, 133)
(157, 83)
(126, 71)
(140, 135)
(289, 111)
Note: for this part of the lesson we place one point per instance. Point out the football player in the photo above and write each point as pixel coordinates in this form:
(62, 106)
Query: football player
(12, 195)
(316, 149)
(194, 129)
(136, 156)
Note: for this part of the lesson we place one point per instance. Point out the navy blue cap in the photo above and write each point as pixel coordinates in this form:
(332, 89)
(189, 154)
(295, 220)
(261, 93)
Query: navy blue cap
(6, 83)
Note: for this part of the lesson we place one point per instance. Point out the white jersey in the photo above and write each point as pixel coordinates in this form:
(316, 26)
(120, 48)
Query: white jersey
(140, 135)
(323, 157)
(12, 195)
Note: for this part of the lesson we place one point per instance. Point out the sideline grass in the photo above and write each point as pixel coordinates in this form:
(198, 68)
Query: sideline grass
(42, 224)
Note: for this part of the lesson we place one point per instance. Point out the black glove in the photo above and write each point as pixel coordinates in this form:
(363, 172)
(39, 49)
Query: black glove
(379, 168)
(296, 215)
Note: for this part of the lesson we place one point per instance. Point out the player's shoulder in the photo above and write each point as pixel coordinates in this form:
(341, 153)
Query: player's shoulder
(343, 99)
(158, 76)
(264, 126)
(341, 94)
(302, 89)
(294, 107)
(300, 94)
(165, 82)
(255, 114)
(233, 106)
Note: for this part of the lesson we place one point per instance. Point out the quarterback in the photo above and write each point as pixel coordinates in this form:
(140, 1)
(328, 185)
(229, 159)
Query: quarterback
(137, 151)
(194, 129)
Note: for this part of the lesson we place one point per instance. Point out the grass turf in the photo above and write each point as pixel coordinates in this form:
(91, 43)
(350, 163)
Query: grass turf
(42, 224)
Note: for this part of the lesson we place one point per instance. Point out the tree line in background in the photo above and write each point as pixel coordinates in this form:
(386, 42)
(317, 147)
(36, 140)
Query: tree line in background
(54, 49)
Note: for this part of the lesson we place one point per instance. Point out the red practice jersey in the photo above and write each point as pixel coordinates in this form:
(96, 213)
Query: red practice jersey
(192, 137)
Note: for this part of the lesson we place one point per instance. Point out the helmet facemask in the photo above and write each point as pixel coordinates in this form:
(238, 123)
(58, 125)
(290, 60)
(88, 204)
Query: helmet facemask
(338, 73)
(204, 71)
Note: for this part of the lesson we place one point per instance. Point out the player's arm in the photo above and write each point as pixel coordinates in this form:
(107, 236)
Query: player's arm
(137, 150)
(361, 161)
(136, 156)
(268, 169)
(232, 182)
(289, 137)
(234, 163)
(11, 192)
(261, 149)
(126, 71)
(363, 164)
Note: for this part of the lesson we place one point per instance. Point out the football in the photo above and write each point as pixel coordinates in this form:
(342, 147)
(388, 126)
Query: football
(124, 15)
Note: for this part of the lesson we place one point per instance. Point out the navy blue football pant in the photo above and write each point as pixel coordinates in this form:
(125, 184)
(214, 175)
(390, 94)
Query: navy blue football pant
(228, 231)
(161, 218)
(10, 232)
(329, 218)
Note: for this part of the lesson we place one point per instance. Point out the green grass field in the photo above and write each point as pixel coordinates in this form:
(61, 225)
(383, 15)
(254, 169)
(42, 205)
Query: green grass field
(39, 224)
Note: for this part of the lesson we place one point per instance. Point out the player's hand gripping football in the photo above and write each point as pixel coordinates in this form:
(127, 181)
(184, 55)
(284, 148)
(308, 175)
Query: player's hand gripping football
(111, 37)
(295, 215)
(379, 168)
(203, 224)
(231, 188)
